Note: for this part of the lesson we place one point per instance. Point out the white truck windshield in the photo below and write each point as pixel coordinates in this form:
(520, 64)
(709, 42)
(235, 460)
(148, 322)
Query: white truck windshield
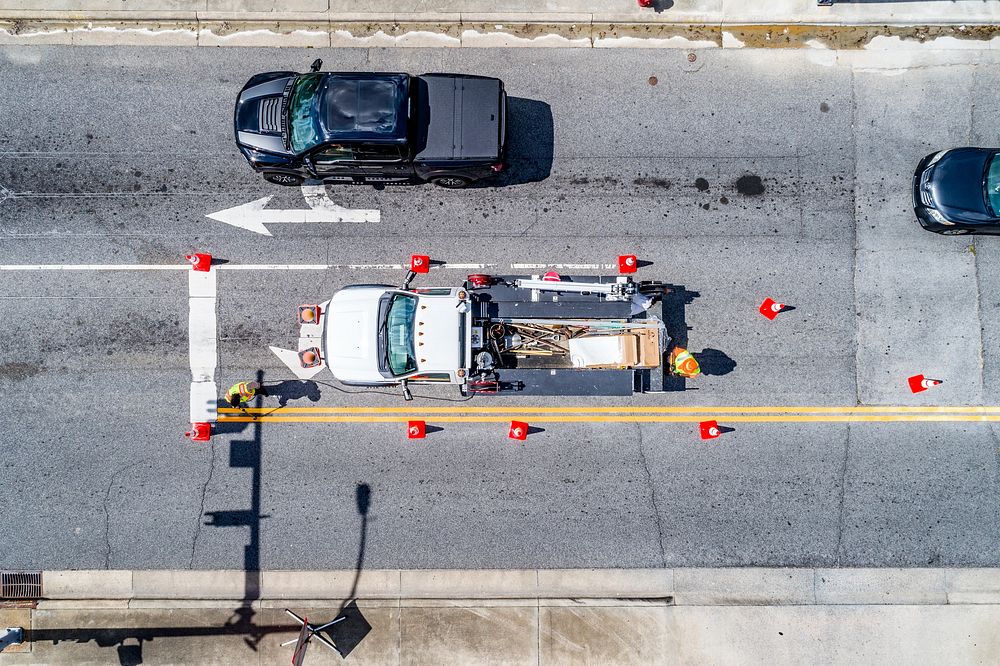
(399, 334)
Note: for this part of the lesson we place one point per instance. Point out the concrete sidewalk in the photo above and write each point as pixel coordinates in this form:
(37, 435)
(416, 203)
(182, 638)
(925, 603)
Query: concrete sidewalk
(518, 617)
(504, 23)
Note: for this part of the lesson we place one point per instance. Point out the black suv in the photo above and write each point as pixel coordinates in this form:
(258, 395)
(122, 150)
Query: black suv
(448, 129)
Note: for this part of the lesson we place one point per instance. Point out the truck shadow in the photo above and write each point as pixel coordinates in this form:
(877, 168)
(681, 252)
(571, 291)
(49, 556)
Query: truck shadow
(530, 143)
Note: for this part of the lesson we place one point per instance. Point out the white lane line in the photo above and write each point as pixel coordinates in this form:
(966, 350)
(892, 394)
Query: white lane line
(202, 345)
(94, 267)
(564, 266)
(273, 267)
(295, 267)
(235, 267)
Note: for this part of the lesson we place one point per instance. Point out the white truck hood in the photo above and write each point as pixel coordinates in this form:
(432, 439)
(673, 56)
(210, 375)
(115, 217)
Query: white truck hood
(351, 342)
(438, 318)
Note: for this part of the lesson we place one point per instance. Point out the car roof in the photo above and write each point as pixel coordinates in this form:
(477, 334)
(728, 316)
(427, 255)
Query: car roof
(364, 106)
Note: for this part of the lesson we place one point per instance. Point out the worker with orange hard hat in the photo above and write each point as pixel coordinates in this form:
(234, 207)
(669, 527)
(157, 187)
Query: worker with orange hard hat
(683, 363)
(240, 394)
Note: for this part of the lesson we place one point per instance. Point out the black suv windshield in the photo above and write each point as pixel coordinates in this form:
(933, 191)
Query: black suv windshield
(399, 334)
(305, 131)
(992, 184)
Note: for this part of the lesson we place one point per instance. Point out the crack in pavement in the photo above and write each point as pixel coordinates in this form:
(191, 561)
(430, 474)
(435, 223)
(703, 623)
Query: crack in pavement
(201, 508)
(843, 492)
(107, 512)
(857, 241)
(652, 496)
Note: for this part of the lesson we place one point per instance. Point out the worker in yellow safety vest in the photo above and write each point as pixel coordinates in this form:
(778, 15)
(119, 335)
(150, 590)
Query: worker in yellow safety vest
(242, 393)
(683, 363)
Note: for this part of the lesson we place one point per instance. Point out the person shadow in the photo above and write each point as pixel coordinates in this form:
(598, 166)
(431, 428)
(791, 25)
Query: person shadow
(290, 390)
(714, 362)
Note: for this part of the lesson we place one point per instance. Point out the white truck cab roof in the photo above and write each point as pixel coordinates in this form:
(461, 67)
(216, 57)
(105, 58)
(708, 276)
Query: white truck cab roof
(377, 334)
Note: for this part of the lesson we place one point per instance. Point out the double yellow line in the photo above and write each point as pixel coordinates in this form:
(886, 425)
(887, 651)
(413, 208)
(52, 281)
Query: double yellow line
(591, 414)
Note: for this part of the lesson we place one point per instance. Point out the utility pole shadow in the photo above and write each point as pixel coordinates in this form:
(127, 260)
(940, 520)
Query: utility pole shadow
(246, 454)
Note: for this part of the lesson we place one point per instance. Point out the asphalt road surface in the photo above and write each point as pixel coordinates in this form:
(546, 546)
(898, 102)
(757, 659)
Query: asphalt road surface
(741, 175)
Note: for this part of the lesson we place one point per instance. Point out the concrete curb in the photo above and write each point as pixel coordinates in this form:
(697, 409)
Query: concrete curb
(536, 29)
(687, 587)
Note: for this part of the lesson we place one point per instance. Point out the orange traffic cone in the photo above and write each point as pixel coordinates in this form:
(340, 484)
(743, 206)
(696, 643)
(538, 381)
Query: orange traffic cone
(627, 263)
(200, 432)
(770, 308)
(200, 261)
(518, 430)
(920, 383)
(709, 429)
(310, 358)
(309, 314)
(416, 430)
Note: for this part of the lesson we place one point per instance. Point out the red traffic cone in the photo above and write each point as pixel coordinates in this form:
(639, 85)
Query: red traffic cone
(420, 263)
(770, 308)
(551, 276)
(627, 263)
(709, 429)
(645, 3)
(518, 430)
(416, 430)
(200, 261)
(200, 432)
(920, 383)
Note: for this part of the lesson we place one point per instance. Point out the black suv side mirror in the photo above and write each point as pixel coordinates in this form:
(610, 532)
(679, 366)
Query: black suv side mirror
(317, 63)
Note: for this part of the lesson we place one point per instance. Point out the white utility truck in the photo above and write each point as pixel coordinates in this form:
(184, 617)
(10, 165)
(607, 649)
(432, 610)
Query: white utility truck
(537, 335)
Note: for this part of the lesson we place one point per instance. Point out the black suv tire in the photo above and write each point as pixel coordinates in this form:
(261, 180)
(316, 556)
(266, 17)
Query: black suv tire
(288, 179)
(451, 182)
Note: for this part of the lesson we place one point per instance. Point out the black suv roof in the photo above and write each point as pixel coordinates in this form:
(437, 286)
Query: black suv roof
(362, 107)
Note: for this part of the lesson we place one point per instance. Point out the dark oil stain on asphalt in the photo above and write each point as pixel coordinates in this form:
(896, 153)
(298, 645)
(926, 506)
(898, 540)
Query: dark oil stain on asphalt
(750, 185)
(824, 107)
(653, 182)
(723, 200)
(706, 206)
(701, 184)
(583, 180)
(18, 371)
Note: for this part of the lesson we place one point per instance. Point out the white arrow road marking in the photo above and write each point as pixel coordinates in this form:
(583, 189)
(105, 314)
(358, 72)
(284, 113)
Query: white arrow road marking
(254, 216)
(291, 359)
